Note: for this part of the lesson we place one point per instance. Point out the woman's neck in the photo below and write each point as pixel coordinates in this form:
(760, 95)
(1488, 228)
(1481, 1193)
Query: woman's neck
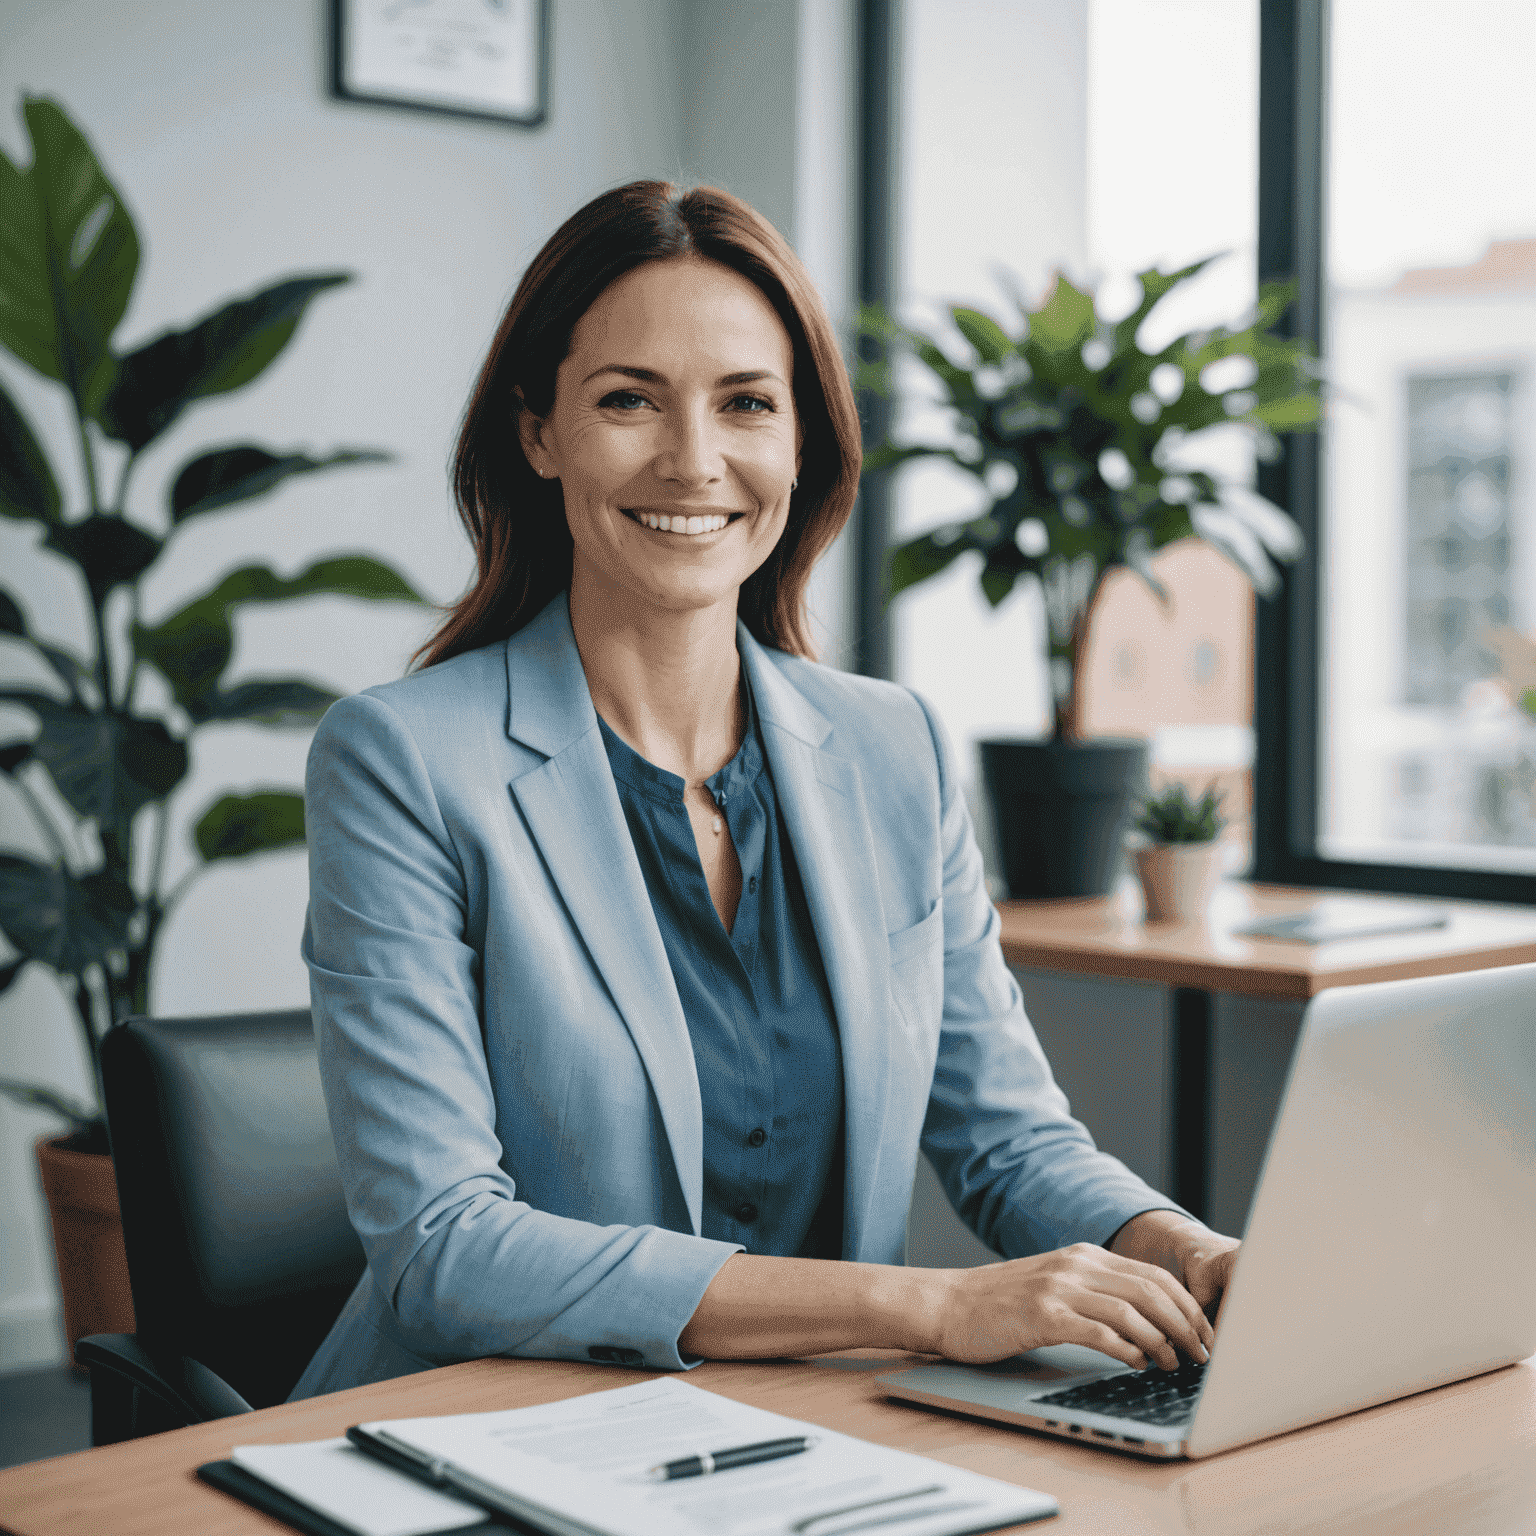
(669, 683)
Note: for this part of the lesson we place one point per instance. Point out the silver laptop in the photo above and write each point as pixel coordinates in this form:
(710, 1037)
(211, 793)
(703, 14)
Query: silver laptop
(1390, 1248)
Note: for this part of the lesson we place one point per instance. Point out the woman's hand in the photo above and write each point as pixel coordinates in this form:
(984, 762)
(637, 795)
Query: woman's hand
(1135, 1311)
(1202, 1259)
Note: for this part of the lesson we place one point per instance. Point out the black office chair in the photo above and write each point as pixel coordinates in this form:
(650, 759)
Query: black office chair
(240, 1253)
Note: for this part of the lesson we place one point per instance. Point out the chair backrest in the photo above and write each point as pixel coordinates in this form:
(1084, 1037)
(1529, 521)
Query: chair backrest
(240, 1253)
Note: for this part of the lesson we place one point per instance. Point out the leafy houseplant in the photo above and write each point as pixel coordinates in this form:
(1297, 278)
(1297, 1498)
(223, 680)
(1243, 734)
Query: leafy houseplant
(1079, 439)
(1173, 819)
(112, 727)
(1180, 862)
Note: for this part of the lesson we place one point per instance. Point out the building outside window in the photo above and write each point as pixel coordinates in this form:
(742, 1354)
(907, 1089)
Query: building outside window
(1428, 527)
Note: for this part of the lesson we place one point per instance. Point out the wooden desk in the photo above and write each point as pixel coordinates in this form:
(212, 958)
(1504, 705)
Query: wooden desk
(1460, 1459)
(1107, 938)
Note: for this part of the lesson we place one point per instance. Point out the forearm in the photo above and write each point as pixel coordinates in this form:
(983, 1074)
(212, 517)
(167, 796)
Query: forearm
(1149, 1239)
(758, 1307)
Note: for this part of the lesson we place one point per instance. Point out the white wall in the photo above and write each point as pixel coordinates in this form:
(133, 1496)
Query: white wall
(214, 120)
(993, 175)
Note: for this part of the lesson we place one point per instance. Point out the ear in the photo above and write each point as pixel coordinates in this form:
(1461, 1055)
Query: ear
(531, 432)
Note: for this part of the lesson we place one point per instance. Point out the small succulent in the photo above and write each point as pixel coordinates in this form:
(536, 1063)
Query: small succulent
(1174, 817)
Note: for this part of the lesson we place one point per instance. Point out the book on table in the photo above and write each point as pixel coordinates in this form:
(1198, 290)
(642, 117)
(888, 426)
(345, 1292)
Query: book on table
(581, 1467)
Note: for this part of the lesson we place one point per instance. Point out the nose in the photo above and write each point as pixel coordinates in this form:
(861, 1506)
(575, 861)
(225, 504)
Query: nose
(690, 454)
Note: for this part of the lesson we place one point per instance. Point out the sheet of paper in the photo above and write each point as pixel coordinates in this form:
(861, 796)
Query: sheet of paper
(356, 1491)
(585, 1461)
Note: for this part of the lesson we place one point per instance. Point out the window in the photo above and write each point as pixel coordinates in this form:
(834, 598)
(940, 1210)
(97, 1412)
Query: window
(1394, 751)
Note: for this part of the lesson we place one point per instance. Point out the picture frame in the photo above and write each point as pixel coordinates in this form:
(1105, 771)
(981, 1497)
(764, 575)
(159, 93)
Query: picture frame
(485, 59)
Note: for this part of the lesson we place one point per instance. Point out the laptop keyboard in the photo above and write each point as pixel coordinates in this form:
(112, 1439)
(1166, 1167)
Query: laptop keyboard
(1149, 1397)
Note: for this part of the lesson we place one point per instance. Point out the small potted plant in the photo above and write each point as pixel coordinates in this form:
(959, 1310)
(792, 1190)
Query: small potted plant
(1079, 439)
(1180, 862)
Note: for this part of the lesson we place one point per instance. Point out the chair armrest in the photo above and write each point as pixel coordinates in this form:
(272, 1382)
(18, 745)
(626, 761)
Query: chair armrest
(123, 1371)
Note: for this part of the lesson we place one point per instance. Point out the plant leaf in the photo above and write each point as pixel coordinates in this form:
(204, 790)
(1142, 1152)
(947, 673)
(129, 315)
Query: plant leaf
(238, 474)
(67, 923)
(110, 551)
(1155, 286)
(342, 575)
(75, 1111)
(193, 646)
(239, 825)
(107, 766)
(218, 353)
(269, 701)
(67, 667)
(68, 257)
(12, 620)
(1290, 413)
(921, 558)
(984, 334)
(27, 486)
(1065, 321)
(190, 650)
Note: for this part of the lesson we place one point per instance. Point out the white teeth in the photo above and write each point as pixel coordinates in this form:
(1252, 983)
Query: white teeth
(663, 523)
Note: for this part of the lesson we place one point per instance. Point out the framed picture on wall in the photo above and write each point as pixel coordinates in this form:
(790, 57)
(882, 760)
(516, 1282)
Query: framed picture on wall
(471, 58)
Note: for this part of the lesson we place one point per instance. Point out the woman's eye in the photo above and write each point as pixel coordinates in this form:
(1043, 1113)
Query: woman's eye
(751, 404)
(623, 400)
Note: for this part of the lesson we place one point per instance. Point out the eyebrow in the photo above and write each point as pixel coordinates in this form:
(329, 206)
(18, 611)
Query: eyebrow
(650, 376)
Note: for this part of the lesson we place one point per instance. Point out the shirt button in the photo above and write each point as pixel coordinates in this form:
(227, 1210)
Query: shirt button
(757, 1138)
(752, 884)
(745, 1213)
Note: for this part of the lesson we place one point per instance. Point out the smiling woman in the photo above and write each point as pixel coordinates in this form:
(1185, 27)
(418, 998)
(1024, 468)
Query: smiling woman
(522, 543)
(645, 952)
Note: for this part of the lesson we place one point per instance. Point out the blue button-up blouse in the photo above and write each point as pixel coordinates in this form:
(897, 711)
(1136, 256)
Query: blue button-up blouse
(756, 1002)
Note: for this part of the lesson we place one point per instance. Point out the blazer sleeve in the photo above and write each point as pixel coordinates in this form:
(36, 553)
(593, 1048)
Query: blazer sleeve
(1022, 1173)
(466, 1268)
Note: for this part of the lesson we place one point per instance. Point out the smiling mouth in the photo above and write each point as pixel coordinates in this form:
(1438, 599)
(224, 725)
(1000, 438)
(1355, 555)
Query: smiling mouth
(690, 525)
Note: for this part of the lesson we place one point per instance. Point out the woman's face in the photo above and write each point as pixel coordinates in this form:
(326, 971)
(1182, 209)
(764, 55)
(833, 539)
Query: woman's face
(673, 434)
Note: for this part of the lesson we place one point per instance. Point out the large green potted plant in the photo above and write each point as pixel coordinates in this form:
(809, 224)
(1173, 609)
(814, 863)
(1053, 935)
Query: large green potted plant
(99, 772)
(1078, 437)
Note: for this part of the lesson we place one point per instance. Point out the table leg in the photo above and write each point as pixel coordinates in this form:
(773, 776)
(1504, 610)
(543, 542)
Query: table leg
(1191, 1074)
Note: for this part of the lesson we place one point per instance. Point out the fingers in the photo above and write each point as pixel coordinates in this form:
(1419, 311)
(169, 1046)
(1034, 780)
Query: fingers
(1163, 1301)
(1208, 1269)
(1100, 1336)
(1133, 1325)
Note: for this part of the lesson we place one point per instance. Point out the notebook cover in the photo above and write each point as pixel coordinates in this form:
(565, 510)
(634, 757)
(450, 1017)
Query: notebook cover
(230, 1477)
(1329, 924)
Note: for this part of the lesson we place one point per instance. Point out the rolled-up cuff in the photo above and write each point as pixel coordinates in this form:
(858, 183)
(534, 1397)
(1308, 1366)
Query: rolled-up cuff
(665, 1280)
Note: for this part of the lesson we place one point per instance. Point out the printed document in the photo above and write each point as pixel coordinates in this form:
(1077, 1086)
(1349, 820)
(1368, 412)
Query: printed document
(580, 1466)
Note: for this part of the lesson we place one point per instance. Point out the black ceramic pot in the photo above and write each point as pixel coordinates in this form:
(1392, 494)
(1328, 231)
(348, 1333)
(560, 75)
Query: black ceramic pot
(1059, 811)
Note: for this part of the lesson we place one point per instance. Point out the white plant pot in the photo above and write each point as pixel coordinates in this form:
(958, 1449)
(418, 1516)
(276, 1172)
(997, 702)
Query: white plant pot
(1179, 879)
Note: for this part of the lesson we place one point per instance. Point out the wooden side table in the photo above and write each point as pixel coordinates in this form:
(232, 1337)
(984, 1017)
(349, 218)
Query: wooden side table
(1107, 938)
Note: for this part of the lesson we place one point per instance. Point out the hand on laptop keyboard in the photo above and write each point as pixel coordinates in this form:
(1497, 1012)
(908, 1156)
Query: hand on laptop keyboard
(1134, 1312)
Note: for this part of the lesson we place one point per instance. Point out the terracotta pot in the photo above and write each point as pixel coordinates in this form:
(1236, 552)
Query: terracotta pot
(1179, 879)
(81, 1190)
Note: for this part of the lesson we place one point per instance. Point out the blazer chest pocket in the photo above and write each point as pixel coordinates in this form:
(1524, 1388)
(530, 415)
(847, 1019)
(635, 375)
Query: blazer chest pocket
(917, 979)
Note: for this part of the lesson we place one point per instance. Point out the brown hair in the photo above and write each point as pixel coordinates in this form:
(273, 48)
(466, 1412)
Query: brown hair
(515, 520)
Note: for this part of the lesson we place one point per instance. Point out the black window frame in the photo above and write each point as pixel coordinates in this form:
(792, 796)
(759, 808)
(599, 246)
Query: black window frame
(1293, 85)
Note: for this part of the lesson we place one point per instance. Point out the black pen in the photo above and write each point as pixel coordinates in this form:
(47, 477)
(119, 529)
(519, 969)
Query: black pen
(737, 1456)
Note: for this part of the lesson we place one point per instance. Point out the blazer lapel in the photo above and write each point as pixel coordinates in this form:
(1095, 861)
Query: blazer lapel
(822, 799)
(573, 813)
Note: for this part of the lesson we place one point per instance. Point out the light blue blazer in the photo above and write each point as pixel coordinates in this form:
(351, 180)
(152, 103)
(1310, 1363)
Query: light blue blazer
(508, 1071)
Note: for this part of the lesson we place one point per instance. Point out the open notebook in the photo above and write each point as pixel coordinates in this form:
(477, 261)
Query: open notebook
(578, 1468)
